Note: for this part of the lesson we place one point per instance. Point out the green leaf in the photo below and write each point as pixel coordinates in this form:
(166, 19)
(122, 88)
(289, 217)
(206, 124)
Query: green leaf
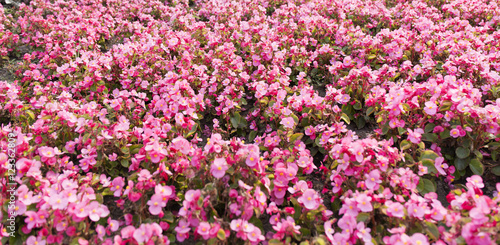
(125, 150)
(432, 230)
(134, 149)
(221, 234)
(320, 241)
(30, 113)
(429, 163)
(445, 106)
(478, 154)
(125, 163)
(107, 192)
(357, 106)
(369, 111)
(421, 186)
(476, 166)
(430, 137)
(404, 145)
(362, 217)
(460, 163)
(346, 118)
(360, 122)
(429, 154)
(429, 127)
(496, 170)
(252, 136)
(445, 134)
(75, 241)
(295, 137)
(462, 152)
(275, 242)
(429, 186)
(371, 57)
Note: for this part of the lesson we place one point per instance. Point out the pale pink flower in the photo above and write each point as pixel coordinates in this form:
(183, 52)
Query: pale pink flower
(310, 199)
(288, 122)
(219, 167)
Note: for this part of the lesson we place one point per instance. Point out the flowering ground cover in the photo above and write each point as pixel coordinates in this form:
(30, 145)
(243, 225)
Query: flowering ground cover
(238, 122)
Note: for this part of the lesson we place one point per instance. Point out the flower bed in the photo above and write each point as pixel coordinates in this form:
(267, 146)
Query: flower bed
(234, 122)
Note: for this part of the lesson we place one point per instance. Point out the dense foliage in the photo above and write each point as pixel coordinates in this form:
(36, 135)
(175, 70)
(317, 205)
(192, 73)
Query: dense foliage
(234, 122)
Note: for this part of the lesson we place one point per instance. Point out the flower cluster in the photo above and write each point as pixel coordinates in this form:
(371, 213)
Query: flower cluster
(162, 122)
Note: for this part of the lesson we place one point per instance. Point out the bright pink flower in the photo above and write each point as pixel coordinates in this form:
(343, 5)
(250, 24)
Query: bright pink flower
(347, 223)
(31, 218)
(310, 131)
(219, 167)
(349, 207)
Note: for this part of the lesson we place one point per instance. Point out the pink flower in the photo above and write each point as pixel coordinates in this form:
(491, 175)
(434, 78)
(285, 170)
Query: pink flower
(440, 165)
(288, 122)
(395, 209)
(117, 186)
(142, 234)
(32, 240)
(415, 136)
(373, 179)
(475, 181)
(419, 239)
(156, 204)
(310, 199)
(252, 159)
(255, 235)
(455, 133)
(48, 152)
(219, 167)
(58, 201)
(310, 131)
(97, 211)
(357, 150)
(113, 225)
(204, 230)
(329, 230)
(363, 232)
(364, 203)
(31, 219)
(430, 108)
(100, 231)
